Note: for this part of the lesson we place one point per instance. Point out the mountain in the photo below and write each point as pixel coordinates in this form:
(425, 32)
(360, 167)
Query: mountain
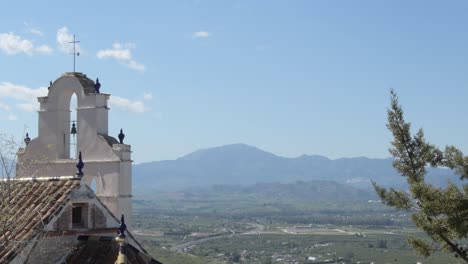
(240, 164)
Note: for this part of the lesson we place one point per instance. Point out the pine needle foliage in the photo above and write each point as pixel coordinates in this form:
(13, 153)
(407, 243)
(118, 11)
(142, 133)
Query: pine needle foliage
(441, 212)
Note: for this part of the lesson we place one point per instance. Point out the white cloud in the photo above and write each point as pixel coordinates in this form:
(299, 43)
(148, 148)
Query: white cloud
(33, 30)
(126, 104)
(21, 92)
(64, 37)
(147, 96)
(36, 31)
(12, 44)
(201, 34)
(136, 66)
(123, 54)
(117, 52)
(25, 97)
(44, 49)
(29, 107)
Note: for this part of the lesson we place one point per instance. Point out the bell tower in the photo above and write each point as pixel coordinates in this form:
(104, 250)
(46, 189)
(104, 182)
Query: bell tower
(107, 161)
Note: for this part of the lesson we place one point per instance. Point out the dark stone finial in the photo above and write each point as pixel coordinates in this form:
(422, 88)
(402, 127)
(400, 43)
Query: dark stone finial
(122, 227)
(73, 128)
(121, 136)
(27, 139)
(50, 85)
(79, 165)
(97, 86)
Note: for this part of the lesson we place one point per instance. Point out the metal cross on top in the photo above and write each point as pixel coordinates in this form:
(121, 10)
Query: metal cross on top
(74, 51)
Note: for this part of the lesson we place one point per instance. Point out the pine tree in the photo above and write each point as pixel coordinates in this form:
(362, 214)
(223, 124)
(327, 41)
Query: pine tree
(441, 212)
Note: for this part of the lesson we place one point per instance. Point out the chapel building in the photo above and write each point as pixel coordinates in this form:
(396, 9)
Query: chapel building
(53, 214)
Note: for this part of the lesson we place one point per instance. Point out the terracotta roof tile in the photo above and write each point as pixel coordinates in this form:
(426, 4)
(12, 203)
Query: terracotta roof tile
(29, 207)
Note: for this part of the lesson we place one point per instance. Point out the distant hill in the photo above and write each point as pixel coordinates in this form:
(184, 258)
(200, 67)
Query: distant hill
(240, 164)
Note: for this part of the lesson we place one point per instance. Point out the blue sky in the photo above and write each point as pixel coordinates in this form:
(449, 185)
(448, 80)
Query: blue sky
(290, 77)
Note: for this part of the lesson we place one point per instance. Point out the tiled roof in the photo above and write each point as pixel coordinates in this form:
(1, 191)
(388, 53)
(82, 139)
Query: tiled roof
(88, 84)
(110, 140)
(30, 206)
(103, 250)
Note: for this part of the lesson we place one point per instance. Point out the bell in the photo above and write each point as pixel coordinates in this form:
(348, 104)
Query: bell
(73, 129)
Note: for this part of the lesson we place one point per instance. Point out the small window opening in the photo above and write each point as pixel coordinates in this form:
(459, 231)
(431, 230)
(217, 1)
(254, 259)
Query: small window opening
(77, 216)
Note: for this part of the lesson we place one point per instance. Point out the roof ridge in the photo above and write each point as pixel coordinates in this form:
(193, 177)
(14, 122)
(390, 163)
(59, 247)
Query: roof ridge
(58, 178)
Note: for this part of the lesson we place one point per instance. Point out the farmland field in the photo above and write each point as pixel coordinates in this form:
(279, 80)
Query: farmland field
(177, 228)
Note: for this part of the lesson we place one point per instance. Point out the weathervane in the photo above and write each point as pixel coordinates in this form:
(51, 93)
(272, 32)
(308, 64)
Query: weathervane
(74, 51)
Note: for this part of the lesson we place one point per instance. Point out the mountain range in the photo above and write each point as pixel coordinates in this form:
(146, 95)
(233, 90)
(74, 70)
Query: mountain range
(241, 164)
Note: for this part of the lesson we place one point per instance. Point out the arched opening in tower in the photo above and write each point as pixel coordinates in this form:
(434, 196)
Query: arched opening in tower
(73, 127)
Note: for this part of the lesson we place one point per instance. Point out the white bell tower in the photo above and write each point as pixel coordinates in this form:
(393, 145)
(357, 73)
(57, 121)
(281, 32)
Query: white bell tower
(107, 161)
